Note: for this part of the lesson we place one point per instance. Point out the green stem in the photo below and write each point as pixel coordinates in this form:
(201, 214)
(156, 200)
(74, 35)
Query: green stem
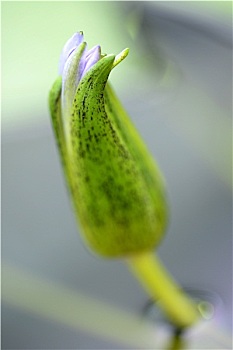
(180, 310)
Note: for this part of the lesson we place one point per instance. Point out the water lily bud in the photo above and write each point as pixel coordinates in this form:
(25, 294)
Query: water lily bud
(116, 187)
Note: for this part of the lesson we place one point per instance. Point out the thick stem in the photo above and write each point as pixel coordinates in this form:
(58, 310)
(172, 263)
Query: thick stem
(179, 309)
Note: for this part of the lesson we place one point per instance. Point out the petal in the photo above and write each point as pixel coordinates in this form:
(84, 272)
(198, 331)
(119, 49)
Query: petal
(69, 48)
(92, 57)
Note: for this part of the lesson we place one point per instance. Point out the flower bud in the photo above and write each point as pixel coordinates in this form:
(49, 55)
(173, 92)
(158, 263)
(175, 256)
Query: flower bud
(116, 187)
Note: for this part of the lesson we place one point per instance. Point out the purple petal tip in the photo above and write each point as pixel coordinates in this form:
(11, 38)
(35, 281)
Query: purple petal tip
(68, 48)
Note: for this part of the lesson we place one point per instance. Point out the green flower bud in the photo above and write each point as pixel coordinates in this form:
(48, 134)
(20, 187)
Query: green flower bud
(116, 187)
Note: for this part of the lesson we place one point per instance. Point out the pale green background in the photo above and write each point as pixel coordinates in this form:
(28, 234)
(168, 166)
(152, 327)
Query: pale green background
(33, 34)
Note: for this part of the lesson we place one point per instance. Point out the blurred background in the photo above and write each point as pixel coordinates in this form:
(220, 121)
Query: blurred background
(176, 85)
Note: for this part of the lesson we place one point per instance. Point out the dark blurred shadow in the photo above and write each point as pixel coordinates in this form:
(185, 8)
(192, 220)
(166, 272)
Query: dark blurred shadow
(177, 342)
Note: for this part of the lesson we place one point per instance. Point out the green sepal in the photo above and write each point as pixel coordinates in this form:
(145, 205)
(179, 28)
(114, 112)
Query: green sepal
(138, 149)
(119, 193)
(58, 126)
(56, 116)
